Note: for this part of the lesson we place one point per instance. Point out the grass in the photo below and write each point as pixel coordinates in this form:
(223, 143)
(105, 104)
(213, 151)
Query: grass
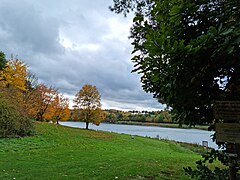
(58, 152)
(167, 125)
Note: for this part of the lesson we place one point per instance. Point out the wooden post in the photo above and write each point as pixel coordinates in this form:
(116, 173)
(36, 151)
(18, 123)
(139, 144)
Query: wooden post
(233, 169)
(231, 150)
(229, 131)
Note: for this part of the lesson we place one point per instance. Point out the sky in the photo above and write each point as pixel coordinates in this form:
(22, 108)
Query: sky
(70, 43)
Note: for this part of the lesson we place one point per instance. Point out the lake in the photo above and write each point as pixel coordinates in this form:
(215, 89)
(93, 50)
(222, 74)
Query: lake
(194, 136)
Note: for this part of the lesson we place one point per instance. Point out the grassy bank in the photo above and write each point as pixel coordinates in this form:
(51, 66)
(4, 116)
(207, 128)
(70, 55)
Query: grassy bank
(58, 152)
(168, 125)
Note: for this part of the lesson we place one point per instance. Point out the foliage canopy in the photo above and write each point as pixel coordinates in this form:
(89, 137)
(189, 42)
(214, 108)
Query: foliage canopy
(23, 99)
(88, 105)
(47, 104)
(13, 116)
(187, 52)
(2, 60)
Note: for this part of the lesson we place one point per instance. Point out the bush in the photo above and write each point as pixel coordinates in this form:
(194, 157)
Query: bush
(204, 172)
(13, 122)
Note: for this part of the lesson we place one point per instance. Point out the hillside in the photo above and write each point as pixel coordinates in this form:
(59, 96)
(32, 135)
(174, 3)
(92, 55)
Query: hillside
(58, 152)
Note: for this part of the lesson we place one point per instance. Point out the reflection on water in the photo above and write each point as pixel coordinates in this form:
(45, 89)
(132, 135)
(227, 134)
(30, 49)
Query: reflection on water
(183, 135)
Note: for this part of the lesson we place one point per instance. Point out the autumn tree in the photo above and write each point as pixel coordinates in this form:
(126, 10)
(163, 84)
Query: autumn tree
(88, 105)
(31, 81)
(40, 99)
(58, 109)
(14, 75)
(14, 120)
(13, 81)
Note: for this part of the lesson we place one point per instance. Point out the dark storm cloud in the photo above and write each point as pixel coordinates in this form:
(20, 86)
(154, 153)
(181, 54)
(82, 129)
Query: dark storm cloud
(71, 43)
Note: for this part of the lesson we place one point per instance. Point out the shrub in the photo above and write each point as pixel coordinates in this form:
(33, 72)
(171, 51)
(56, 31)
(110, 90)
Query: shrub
(13, 122)
(203, 171)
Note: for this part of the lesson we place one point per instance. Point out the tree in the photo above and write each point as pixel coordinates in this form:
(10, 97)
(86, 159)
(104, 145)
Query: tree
(3, 60)
(88, 105)
(13, 82)
(14, 120)
(110, 116)
(31, 81)
(14, 74)
(58, 109)
(187, 53)
(39, 101)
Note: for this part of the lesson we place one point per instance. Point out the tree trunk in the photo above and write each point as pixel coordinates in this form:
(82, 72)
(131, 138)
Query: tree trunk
(57, 122)
(87, 123)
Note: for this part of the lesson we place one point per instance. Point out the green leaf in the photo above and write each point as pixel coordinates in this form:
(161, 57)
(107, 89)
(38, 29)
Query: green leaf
(212, 30)
(237, 41)
(226, 32)
(220, 28)
(230, 49)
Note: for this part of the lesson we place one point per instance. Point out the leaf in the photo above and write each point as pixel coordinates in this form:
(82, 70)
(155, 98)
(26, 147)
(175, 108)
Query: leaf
(226, 32)
(237, 41)
(220, 28)
(212, 30)
(230, 49)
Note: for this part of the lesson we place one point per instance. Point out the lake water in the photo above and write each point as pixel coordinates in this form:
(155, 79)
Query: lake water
(194, 136)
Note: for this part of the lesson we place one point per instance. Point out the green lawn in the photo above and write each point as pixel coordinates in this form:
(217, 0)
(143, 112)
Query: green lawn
(58, 152)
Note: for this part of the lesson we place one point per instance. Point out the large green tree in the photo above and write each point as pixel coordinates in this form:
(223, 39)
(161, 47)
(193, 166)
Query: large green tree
(188, 52)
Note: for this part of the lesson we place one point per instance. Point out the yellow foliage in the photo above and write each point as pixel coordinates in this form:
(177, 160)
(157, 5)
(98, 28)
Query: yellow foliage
(98, 116)
(41, 102)
(14, 75)
(88, 105)
(13, 82)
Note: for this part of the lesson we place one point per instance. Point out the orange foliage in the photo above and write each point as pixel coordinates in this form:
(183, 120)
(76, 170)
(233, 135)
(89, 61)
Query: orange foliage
(59, 109)
(46, 103)
(39, 101)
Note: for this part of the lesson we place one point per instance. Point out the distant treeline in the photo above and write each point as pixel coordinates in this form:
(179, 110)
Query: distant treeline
(113, 116)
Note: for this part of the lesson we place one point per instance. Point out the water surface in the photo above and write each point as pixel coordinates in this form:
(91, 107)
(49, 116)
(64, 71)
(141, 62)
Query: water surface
(194, 136)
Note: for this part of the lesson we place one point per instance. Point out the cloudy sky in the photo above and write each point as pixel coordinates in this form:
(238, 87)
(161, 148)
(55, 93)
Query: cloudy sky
(68, 43)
